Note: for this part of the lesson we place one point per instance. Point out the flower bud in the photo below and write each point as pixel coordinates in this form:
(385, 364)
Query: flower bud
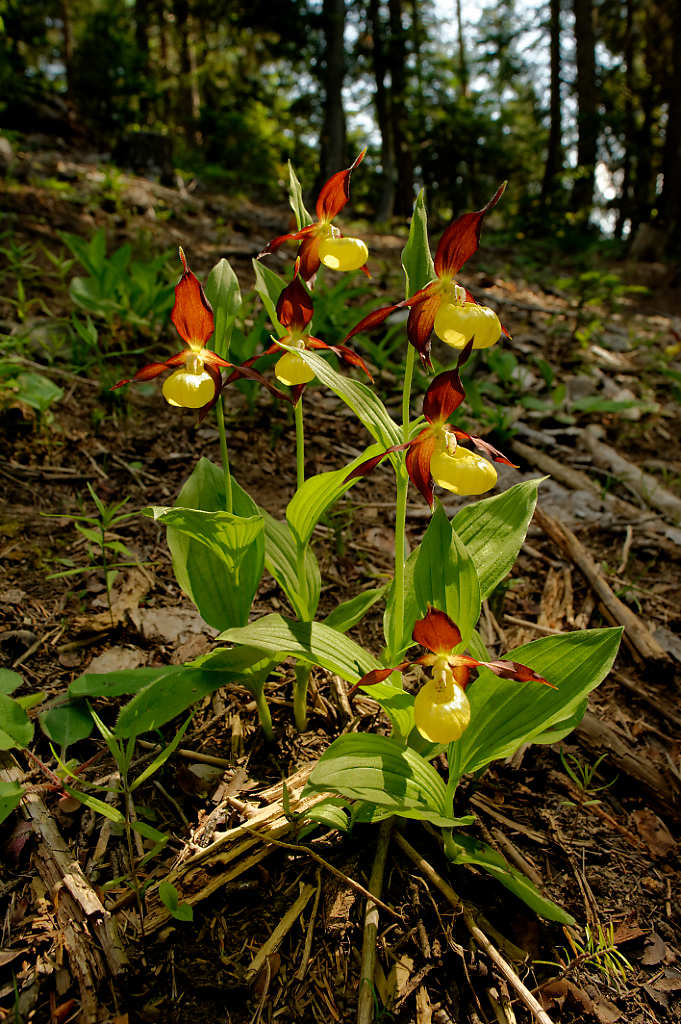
(457, 324)
(343, 253)
(189, 389)
(463, 471)
(293, 370)
(441, 713)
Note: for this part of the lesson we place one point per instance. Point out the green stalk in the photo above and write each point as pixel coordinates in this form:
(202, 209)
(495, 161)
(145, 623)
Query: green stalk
(302, 675)
(220, 411)
(264, 713)
(300, 443)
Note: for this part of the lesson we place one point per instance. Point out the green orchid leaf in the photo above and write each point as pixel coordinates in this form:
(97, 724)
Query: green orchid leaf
(284, 559)
(312, 642)
(382, 772)
(445, 576)
(461, 849)
(116, 684)
(417, 261)
(67, 723)
(494, 529)
(10, 798)
(318, 493)
(269, 287)
(295, 198)
(218, 557)
(16, 729)
(223, 293)
(348, 613)
(170, 899)
(505, 714)
(365, 404)
(398, 706)
(9, 681)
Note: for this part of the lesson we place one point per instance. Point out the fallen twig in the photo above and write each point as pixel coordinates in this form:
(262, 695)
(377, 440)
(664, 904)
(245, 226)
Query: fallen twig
(365, 1003)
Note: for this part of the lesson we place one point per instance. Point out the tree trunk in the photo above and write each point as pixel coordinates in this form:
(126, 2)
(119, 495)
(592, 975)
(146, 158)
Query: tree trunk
(464, 77)
(189, 96)
(624, 212)
(397, 63)
(670, 200)
(333, 136)
(587, 109)
(386, 203)
(554, 156)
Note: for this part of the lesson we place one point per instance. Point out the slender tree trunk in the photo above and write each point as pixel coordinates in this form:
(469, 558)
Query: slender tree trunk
(67, 48)
(333, 136)
(189, 96)
(464, 77)
(554, 156)
(397, 62)
(624, 212)
(587, 109)
(670, 199)
(386, 203)
(142, 11)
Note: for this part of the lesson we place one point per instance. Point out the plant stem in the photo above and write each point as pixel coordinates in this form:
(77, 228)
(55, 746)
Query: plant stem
(220, 411)
(300, 696)
(300, 443)
(401, 508)
(406, 390)
(264, 714)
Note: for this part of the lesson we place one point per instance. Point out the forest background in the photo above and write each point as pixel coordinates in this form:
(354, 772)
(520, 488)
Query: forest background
(578, 102)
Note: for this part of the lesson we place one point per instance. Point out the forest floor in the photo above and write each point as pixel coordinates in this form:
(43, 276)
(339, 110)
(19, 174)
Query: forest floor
(599, 837)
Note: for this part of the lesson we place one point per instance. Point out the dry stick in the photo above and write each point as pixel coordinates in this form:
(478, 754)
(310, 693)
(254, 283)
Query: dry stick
(476, 933)
(644, 484)
(365, 1003)
(638, 635)
(307, 948)
(280, 932)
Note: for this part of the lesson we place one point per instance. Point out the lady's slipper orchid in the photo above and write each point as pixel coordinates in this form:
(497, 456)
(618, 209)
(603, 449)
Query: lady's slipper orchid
(434, 456)
(441, 708)
(294, 313)
(198, 382)
(322, 242)
(443, 305)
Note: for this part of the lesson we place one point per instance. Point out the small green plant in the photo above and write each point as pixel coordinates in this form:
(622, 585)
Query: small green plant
(598, 949)
(27, 387)
(583, 774)
(101, 541)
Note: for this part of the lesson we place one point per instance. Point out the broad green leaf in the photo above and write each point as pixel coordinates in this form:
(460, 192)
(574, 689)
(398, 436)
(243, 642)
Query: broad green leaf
(170, 899)
(37, 391)
(180, 686)
(16, 729)
(269, 287)
(9, 681)
(417, 261)
(312, 642)
(398, 706)
(365, 404)
(67, 723)
(10, 798)
(463, 849)
(162, 756)
(218, 558)
(224, 295)
(117, 684)
(295, 198)
(331, 813)
(559, 730)
(294, 567)
(318, 493)
(445, 576)
(382, 772)
(494, 529)
(506, 714)
(348, 613)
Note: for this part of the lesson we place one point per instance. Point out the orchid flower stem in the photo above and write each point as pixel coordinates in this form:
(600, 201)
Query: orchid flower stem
(300, 443)
(302, 677)
(220, 412)
(264, 714)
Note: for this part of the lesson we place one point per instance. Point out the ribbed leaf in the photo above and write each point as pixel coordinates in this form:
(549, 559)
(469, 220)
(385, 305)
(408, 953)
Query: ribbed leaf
(382, 772)
(223, 293)
(295, 198)
(417, 261)
(494, 529)
(16, 729)
(269, 287)
(67, 723)
(348, 613)
(506, 714)
(312, 642)
(282, 562)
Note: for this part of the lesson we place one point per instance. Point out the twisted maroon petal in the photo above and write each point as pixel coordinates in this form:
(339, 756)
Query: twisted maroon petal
(294, 307)
(292, 236)
(462, 237)
(506, 670)
(417, 461)
(342, 351)
(336, 192)
(483, 446)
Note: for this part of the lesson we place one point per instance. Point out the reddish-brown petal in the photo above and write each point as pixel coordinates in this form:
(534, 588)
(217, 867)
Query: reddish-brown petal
(192, 313)
(336, 192)
(147, 372)
(292, 236)
(374, 319)
(462, 237)
(342, 351)
(418, 463)
(421, 319)
(437, 632)
(483, 446)
(308, 255)
(507, 670)
(369, 465)
(377, 675)
(444, 395)
(294, 308)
